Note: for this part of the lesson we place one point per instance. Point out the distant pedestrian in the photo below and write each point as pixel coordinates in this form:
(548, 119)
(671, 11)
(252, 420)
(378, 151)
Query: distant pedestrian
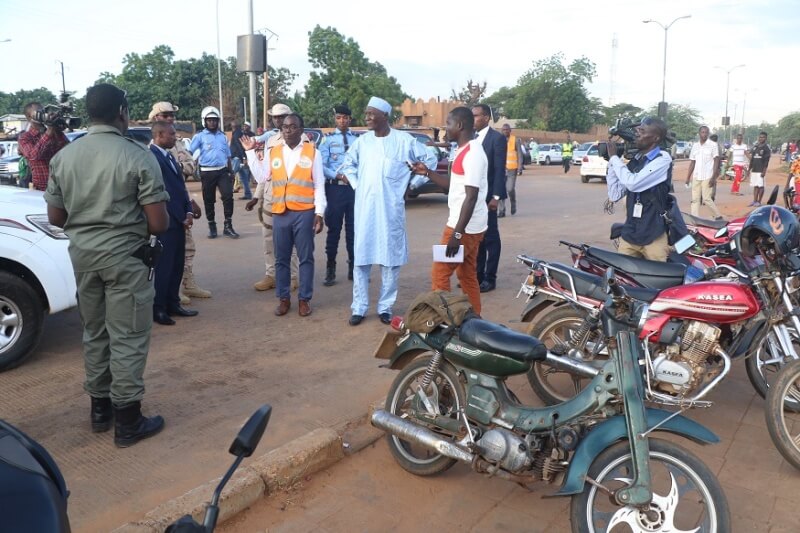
(514, 157)
(239, 161)
(215, 171)
(739, 155)
(376, 166)
(566, 153)
(703, 172)
(720, 175)
(40, 143)
(759, 161)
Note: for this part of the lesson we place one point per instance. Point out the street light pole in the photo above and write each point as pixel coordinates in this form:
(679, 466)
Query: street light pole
(219, 77)
(662, 106)
(726, 120)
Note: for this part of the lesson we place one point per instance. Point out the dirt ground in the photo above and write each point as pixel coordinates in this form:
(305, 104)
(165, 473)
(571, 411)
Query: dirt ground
(208, 373)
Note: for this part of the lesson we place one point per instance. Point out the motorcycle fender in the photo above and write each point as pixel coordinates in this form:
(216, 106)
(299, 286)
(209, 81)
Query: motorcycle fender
(406, 351)
(613, 430)
(537, 304)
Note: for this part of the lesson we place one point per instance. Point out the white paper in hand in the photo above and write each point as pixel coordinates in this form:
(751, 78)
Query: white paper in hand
(439, 254)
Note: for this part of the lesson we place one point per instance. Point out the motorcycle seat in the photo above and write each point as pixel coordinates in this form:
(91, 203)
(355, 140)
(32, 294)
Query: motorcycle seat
(591, 286)
(498, 339)
(697, 221)
(636, 265)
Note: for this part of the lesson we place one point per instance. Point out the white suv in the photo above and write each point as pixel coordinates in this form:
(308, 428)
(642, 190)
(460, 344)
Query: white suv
(36, 273)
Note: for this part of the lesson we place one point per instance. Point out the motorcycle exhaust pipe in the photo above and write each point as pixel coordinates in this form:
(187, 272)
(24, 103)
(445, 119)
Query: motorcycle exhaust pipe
(411, 432)
(570, 365)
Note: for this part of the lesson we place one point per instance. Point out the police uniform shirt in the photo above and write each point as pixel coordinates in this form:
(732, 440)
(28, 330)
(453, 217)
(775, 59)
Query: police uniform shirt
(333, 150)
(214, 149)
(102, 183)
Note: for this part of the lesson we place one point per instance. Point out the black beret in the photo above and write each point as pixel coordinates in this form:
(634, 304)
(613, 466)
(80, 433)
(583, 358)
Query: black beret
(342, 109)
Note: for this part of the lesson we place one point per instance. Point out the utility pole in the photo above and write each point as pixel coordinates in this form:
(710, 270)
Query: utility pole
(251, 76)
(269, 34)
(219, 77)
(726, 120)
(662, 105)
(63, 83)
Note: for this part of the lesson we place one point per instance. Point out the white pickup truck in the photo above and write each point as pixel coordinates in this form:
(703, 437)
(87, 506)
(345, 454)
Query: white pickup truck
(36, 275)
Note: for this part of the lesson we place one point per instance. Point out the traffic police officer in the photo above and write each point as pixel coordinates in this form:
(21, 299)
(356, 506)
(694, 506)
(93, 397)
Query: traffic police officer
(215, 170)
(107, 193)
(341, 197)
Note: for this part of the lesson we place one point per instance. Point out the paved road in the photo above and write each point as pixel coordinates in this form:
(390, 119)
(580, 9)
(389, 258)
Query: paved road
(208, 373)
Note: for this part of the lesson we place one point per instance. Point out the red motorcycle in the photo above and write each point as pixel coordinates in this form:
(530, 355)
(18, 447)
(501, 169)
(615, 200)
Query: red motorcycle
(691, 332)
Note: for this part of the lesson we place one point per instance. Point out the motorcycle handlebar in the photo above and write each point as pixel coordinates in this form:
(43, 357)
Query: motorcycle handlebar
(614, 288)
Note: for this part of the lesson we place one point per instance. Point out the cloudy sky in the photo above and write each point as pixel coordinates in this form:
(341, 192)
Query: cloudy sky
(434, 47)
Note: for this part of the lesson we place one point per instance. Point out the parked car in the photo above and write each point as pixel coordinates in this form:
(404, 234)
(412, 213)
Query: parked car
(10, 148)
(36, 275)
(579, 152)
(9, 170)
(549, 154)
(592, 165)
(681, 149)
(442, 167)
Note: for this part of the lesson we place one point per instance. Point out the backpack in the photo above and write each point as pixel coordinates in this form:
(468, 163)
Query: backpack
(433, 308)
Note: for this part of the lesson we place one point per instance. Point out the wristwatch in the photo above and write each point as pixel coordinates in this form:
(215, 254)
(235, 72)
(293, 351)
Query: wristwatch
(495, 197)
(457, 235)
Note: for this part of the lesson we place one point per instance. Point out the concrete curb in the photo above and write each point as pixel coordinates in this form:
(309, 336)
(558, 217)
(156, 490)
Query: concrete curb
(268, 474)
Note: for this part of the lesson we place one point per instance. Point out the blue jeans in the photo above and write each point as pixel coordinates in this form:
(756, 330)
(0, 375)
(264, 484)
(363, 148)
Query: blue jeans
(294, 229)
(244, 178)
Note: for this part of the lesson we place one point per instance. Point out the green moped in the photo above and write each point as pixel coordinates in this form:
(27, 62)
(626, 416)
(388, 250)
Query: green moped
(450, 403)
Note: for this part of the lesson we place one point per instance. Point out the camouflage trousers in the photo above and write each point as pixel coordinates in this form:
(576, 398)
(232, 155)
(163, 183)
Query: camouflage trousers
(188, 254)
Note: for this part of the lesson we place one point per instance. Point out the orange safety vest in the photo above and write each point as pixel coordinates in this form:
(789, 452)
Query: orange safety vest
(295, 192)
(512, 162)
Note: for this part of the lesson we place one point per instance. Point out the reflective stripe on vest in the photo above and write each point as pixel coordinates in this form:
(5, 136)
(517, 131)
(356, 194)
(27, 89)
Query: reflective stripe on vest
(566, 149)
(295, 192)
(512, 162)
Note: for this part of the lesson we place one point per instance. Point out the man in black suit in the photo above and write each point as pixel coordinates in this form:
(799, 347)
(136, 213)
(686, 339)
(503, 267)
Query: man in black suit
(169, 269)
(495, 146)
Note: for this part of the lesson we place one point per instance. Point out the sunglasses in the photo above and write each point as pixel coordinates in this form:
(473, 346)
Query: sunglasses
(167, 114)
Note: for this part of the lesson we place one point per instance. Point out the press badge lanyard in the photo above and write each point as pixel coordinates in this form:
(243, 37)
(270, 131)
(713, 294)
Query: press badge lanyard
(637, 208)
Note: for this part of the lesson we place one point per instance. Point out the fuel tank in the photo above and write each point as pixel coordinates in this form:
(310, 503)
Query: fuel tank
(722, 302)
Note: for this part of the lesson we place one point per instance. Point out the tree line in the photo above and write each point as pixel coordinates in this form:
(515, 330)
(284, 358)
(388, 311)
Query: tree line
(551, 95)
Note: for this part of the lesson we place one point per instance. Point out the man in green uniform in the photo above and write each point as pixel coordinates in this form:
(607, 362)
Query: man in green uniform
(107, 192)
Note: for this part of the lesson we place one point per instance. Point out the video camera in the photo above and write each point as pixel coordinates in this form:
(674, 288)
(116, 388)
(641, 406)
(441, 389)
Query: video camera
(58, 115)
(625, 127)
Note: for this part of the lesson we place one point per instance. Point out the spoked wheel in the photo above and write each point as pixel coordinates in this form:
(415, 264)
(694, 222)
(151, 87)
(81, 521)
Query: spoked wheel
(784, 424)
(686, 495)
(444, 396)
(763, 367)
(555, 329)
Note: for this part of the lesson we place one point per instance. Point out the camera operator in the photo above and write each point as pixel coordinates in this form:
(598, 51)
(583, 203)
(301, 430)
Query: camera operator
(39, 144)
(645, 183)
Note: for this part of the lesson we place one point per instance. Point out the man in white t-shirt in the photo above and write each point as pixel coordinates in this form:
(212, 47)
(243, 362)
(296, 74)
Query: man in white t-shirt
(703, 170)
(468, 214)
(739, 155)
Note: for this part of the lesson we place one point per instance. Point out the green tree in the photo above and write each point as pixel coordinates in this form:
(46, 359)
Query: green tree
(684, 120)
(342, 73)
(788, 129)
(15, 102)
(611, 114)
(551, 95)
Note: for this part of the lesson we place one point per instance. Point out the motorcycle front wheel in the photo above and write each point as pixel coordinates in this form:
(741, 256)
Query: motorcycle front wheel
(445, 394)
(686, 494)
(780, 421)
(555, 329)
(764, 366)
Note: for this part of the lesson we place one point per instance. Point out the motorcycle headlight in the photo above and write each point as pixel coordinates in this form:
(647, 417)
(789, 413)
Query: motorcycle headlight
(41, 222)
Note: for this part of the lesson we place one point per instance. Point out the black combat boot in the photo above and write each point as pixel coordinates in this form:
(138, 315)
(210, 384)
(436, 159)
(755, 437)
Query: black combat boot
(227, 230)
(102, 414)
(130, 426)
(330, 274)
(212, 230)
(350, 270)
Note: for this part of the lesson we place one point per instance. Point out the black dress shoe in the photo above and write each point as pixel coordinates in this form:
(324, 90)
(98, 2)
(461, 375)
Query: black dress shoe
(386, 318)
(356, 320)
(180, 311)
(487, 286)
(162, 318)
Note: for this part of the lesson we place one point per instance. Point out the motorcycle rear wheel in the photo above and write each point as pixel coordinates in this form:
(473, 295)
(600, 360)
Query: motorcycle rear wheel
(780, 420)
(686, 494)
(555, 386)
(401, 400)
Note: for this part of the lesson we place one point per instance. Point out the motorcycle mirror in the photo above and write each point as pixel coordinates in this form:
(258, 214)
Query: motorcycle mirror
(721, 232)
(249, 436)
(684, 243)
(773, 196)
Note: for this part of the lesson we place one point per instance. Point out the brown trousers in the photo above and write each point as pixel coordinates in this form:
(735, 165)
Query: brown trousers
(466, 272)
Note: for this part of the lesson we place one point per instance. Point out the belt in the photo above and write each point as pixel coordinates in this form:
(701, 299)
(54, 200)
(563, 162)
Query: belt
(334, 181)
(210, 169)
